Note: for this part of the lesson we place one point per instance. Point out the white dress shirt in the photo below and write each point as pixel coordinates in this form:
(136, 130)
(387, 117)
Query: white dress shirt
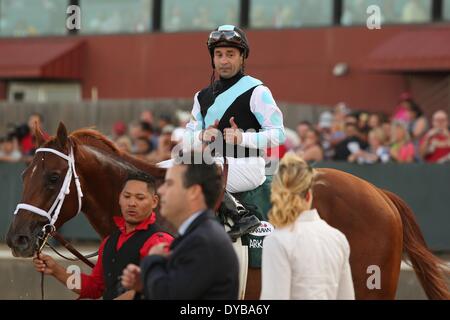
(306, 260)
(186, 223)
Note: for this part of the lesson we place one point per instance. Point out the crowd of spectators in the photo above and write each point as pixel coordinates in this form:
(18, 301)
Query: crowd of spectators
(148, 138)
(405, 136)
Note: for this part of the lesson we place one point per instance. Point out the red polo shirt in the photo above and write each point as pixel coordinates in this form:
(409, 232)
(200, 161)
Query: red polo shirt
(92, 286)
(27, 143)
(439, 152)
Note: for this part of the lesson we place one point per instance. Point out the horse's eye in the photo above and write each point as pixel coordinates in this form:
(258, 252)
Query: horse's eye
(53, 178)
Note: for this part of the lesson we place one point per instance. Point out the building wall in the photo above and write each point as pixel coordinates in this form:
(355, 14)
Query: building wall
(2, 90)
(295, 63)
(431, 90)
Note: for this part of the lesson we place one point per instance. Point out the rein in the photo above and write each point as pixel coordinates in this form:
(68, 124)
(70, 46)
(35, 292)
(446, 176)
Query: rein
(225, 180)
(71, 249)
(43, 241)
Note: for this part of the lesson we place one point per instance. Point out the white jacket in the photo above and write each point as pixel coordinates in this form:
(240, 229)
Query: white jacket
(307, 260)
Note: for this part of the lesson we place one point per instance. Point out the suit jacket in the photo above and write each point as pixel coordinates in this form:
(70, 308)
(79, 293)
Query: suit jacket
(202, 265)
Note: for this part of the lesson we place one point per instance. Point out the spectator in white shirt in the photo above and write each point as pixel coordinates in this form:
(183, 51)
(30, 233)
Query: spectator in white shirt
(304, 258)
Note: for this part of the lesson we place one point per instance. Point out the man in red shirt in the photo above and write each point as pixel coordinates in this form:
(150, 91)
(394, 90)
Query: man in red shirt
(435, 145)
(137, 233)
(27, 142)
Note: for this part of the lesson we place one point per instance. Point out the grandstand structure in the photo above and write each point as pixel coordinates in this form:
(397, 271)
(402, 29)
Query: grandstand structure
(309, 52)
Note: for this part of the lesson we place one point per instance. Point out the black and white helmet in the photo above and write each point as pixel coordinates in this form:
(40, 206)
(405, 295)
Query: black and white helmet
(228, 36)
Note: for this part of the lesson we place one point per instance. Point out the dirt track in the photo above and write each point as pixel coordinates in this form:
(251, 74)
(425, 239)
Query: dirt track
(18, 280)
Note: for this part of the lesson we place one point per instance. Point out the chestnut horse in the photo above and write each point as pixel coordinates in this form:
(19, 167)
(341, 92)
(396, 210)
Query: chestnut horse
(378, 224)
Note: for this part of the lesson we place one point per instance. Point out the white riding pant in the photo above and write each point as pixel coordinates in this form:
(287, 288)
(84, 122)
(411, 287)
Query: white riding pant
(244, 174)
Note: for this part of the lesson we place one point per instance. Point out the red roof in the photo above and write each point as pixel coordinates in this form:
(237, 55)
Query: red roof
(40, 58)
(424, 50)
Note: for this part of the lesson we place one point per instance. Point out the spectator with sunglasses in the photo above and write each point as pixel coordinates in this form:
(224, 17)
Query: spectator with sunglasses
(237, 117)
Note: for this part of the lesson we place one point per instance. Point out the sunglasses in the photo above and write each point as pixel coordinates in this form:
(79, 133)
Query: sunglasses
(228, 35)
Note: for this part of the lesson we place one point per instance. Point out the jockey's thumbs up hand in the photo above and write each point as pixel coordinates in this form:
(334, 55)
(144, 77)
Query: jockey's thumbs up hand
(211, 133)
(233, 124)
(233, 135)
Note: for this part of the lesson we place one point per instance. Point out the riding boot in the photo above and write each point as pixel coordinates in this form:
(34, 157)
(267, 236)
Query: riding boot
(244, 221)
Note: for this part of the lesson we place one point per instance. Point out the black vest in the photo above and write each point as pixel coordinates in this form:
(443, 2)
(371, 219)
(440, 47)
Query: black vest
(239, 109)
(115, 261)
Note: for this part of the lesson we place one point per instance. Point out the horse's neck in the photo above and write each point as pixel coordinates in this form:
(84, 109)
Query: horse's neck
(99, 217)
(151, 169)
(101, 180)
(103, 174)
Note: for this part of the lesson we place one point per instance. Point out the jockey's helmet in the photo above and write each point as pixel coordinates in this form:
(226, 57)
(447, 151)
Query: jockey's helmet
(228, 36)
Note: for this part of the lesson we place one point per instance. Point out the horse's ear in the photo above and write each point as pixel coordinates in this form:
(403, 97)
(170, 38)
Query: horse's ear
(61, 135)
(39, 136)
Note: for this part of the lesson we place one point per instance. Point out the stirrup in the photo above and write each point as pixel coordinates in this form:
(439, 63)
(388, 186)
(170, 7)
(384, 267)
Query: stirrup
(236, 231)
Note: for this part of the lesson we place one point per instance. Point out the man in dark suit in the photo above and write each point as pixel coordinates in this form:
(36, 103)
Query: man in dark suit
(201, 263)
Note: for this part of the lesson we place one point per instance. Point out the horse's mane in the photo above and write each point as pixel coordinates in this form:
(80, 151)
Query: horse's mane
(97, 140)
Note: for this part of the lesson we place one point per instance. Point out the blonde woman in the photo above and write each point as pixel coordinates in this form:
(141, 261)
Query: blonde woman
(304, 258)
(377, 151)
(402, 149)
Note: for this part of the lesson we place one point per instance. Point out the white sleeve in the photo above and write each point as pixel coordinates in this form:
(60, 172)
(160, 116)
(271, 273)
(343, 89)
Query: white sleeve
(191, 137)
(275, 270)
(269, 117)
(346, 290)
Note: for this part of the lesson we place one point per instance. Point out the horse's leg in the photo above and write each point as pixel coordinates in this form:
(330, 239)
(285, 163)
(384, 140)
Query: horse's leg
(253, 289)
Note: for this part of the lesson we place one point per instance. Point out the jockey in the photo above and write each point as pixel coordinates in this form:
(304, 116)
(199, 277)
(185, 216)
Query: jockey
(238, 117)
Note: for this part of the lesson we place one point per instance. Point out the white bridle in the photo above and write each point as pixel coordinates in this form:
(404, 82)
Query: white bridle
(65, 189)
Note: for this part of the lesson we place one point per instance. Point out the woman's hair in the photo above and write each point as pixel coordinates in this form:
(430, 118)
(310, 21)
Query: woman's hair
(289, 188)
(404, 127)
(379, 134)
(316, 135)
(414, 107)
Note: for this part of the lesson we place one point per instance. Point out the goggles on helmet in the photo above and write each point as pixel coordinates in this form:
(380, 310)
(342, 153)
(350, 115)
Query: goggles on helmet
(227, 35)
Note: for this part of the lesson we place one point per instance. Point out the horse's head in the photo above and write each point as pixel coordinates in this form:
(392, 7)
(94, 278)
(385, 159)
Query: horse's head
(43, 180)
